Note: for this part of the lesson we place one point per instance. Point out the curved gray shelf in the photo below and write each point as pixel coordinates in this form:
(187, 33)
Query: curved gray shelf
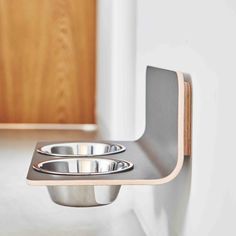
(159, 154)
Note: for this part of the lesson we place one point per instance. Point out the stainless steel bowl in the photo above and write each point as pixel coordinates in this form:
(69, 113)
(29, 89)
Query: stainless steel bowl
(80, 149)
(83, 196)
(83, 166)
(88, 195)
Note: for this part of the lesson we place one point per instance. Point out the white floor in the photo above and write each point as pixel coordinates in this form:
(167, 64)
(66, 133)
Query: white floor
(27, 210)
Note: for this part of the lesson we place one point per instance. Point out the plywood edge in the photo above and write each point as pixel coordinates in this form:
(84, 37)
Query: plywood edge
(187, 118)
(100, 182)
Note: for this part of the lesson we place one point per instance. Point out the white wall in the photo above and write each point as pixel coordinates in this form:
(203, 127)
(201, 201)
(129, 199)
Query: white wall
(116, 56)
(197, 37)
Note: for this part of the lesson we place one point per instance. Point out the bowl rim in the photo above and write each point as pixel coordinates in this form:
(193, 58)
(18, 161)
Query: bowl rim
(36, 166)
(39, 149)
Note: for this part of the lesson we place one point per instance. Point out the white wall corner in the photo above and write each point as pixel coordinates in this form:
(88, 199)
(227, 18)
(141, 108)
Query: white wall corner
(116, 67)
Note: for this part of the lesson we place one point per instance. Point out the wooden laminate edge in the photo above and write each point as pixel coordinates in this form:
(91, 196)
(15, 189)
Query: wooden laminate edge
(187, 118)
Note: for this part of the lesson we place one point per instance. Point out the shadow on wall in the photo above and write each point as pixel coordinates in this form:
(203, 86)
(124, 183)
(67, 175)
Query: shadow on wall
(162, 209)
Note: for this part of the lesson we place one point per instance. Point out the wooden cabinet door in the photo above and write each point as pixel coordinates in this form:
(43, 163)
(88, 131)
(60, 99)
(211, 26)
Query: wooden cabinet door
(47, 61)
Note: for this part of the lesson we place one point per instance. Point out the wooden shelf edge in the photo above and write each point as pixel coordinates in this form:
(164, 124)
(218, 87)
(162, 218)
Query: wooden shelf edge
(187, 118)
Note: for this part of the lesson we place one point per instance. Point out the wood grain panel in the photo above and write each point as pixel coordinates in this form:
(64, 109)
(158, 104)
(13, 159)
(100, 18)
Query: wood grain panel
(187, 118)
(47, 61)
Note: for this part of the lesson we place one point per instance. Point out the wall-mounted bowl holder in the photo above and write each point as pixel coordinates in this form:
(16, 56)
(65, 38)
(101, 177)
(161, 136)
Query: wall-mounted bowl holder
(91, 173)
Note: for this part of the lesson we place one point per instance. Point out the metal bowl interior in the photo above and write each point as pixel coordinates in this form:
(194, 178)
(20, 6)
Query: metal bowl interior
(83, 166)
(81, 149)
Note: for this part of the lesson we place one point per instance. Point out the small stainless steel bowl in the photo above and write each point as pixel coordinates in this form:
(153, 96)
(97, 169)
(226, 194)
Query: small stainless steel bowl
(80, 149)
(83, 166)
(84, 196)
(88, 195)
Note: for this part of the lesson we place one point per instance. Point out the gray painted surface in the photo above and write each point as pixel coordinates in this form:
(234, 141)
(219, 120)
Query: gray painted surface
(155, 154)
